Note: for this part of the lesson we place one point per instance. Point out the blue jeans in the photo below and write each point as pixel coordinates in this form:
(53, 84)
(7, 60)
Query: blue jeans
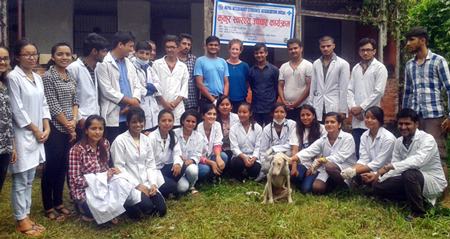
(357, 133)
(204, 170)
(21, 193)
(305, 183)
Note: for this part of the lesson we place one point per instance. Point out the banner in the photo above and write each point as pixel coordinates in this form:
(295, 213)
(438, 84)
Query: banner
(272, 24)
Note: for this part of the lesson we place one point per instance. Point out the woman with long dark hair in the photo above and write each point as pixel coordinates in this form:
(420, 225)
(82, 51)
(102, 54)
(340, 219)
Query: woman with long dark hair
(227, 119)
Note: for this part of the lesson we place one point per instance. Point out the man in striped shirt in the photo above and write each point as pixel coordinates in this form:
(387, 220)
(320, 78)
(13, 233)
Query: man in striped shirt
(425, 76)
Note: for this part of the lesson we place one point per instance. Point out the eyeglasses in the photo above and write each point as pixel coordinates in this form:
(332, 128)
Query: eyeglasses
(365, 50)
(28, 56)
(170, 48)
(5, 59)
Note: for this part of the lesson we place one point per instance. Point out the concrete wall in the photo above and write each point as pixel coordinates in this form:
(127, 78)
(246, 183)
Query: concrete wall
(134, 16)
(46, 24)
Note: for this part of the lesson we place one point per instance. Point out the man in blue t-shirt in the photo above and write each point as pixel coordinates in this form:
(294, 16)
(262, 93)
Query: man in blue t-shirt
(211, 73)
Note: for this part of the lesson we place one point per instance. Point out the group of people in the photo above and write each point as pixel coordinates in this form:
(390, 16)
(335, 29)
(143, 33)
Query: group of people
(131, 132)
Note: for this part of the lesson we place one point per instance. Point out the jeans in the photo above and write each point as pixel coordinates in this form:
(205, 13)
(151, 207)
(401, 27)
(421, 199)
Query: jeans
(293, 114)
(149, 205)
(305, 183)
(262, 118)
(204, 170)
(189, 178)
(238, 165)
(4, 164)
(21, 193)
(357, 133)
(170, 182)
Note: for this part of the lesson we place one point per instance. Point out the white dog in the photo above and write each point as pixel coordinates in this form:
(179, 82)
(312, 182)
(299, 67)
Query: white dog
(278, 178)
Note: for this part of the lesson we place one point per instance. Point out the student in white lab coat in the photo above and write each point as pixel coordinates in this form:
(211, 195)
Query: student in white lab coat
(174, 77)
(166, 151)
(31, 128)
(338, 152)
(245, 140)
(149, 79)
(275, 137)
(213, 160)
(307, 131)
(415, 172)
(227, 119)
(133, 156)
(377, 145)
(191, 144)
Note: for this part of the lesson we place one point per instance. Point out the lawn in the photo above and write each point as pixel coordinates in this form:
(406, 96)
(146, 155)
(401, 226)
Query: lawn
(224, 210)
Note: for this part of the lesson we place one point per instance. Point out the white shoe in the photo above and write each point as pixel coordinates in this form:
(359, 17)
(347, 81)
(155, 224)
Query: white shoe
(260, 177)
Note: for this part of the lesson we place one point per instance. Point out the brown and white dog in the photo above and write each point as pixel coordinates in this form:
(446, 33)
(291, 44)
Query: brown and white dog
(278, 178)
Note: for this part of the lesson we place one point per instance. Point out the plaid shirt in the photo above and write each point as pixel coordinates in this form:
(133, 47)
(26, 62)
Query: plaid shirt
(192, 99)
(91, 71)
(83, 160)
(423, 85)
(61, 96)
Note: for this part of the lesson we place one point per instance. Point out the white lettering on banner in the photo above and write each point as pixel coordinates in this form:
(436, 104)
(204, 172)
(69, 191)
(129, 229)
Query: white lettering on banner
(253, 22)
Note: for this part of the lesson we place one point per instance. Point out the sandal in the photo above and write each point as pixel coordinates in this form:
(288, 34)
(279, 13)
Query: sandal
(194, 192)
(31, 232)
(115, 221)
(87, 219)
(65, 211)
(38, 227)
(54, 215)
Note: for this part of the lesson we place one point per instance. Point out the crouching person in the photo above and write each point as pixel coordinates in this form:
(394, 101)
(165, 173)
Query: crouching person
(416, 172)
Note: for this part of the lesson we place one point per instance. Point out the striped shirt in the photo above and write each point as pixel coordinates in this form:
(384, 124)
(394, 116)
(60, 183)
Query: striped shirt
(423, 85)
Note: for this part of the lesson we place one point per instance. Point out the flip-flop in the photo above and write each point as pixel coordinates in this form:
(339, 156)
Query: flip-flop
(194, 192)
(31, 232)
(410, 218)
(38, 227)
(56, 215)
(61, 210)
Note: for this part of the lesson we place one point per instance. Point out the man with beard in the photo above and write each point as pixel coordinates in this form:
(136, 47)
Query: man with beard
(95, 48)
(425, 75)
(189, 59)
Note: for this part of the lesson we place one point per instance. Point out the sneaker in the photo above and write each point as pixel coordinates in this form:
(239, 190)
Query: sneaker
(260, 177)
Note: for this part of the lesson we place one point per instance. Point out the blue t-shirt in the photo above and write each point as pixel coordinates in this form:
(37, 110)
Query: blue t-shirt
(124, 84)
(213, 72)
(238, 81)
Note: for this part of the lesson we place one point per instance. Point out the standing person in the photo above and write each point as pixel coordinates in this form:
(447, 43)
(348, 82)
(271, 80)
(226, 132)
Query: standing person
(238, 71)
(8, 154)
(213, 160)
(153, 54)
(329, 81)
(366, 87)
(263, 81)
(174, 77)
(245, 140)
(187, 58)
(133, 155)
(227, 119)
(415, 173)
(31, 128)
(307, 131)
(295, 80)
(60, 92)
(148, 79)
(191, 144)
(211, 73)
(95, 48)
(338, 152)
(119, 86)
(425, 75)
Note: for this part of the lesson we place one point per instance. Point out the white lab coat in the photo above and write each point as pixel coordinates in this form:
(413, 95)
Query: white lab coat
(270, 138)
(193, 148)
(28, 105)
(162, 153)
(378, 153)
(149, 103)
(174, 84)
(87, 90)
(366, 90)
(108, 75)
(106, 199)
(246, 143)
(332, 92)
(137, 165)
(423, 155)
(215, 138)
(234, 119)
(295, 141)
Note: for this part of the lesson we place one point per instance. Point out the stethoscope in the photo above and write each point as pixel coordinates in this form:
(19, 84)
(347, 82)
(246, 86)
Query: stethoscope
(272, 127)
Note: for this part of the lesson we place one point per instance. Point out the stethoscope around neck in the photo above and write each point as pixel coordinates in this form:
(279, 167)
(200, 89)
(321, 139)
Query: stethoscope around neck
(273, 127)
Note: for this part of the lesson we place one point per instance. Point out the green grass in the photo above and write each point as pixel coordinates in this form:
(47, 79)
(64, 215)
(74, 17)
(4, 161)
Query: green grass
(225, 211)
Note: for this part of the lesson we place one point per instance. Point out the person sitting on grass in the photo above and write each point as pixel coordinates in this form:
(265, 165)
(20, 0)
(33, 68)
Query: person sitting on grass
(376, 146)
(338, 152)
(167, 153)
(415, 172)
(275, 137)
(245, 141)
(307, 131)
(227, 119)
(191, 144)
(88, 165)
(213, 160)
(133, 156)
